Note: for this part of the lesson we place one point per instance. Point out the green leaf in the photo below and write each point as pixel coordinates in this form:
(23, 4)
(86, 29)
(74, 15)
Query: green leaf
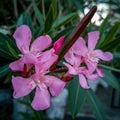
(96, 106)
(112, 45)
(5, 53)
(69, 3)
(25, 19)
(51, 15)
(38, 16)
(102, 29)
(77, 96)
(8, 48)
(26, 115)
(63, 20)
(12, 50)
(79, 5)
(111, 34)
(8, 78)
(64, 32)
(109, 68)
(4, 70)
(116, 55)
(111, 79)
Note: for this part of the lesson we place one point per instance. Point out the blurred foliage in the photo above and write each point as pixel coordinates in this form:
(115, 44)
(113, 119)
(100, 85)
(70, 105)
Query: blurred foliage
(57, 18)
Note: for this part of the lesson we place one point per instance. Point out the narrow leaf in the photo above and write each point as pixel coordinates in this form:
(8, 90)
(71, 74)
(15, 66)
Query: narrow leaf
(109, 68)
(62, 21)
(103, 25)
(64, 32)
(79, 5)
(8, 78)
(4, 70)
(116, 55)
(111, 34)
(111, 46)
(38, 15)
(111, 79)
(76, 96)
(8, 47)
(5, 54)
(25, 19)
(12, 51)
(51, 15)
(96, 105)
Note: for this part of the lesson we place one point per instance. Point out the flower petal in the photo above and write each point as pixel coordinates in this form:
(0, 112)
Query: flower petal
(71, 70)
(22, 86)
(80, 47)
(41, 43)
(41, 99)
(45, 61)
(92, 39)
(92, 77)
(57, 45)
(29, 59)
(46, 56)
(17, 65)
(91, 65)
(55, 84)
(106, 56)
(100, 72)
(23, 37)
(69, 57)
(83, 82)
(72, 58)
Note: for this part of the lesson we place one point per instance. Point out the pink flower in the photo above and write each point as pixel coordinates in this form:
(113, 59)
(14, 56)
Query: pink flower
(29, 53)
(34, 65)
(41, 81)
(74, 68)
(91, 56)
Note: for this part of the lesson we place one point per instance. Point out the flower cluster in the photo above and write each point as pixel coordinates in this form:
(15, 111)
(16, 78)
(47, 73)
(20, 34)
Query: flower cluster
(34, 63)
(36, 59)
(84, 59)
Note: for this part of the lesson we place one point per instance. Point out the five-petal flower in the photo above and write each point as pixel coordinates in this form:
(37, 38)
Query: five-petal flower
(29, 53)
(41, 81)
(89, 55)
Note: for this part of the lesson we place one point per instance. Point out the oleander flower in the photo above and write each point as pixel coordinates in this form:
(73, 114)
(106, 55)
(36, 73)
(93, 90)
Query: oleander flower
(45, 84)
(75, 68)
(90, 55)
(29, 53)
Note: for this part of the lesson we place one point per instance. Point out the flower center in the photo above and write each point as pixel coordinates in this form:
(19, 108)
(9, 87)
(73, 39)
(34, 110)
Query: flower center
(28, 70)
(92, 57)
